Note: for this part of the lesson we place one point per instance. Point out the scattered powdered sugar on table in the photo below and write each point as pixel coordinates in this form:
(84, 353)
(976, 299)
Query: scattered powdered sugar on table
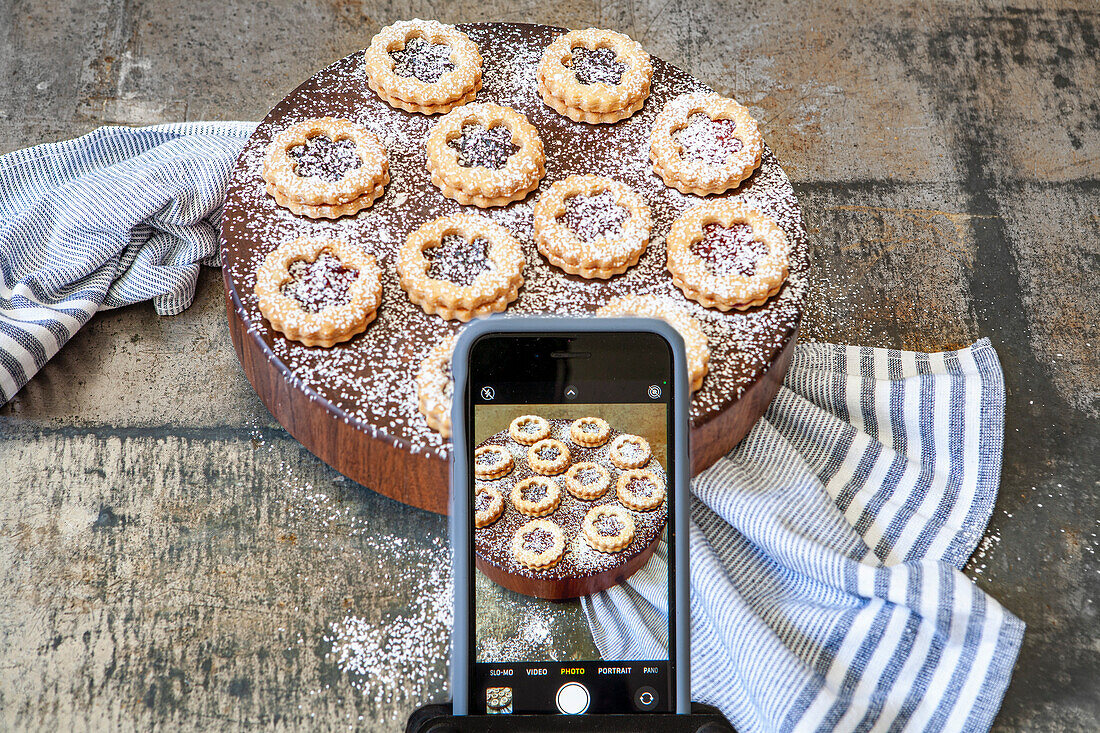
(371, 379)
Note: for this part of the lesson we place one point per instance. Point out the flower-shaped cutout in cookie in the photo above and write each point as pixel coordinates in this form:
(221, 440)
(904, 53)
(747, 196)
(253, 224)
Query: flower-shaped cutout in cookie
(725, 255)
(423, 59)
(704, 144)
(490, 290)
(423, 66)
(467, 171)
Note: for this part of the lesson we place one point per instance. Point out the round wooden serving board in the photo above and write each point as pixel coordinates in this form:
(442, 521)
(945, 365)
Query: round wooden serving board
(354, 405)
(582, 570)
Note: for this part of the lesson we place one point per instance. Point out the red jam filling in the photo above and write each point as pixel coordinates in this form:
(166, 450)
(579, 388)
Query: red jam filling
(706, 140)
(322, 158)
(479, 147)
(420, 58)
(729, 251)
(640, 487)
(590, 217)
(458, 260)
(538, 541)
(323, 283)
(596, 66)
(608, 525)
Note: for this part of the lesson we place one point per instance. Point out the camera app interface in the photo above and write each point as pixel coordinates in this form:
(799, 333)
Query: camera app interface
(571, 498)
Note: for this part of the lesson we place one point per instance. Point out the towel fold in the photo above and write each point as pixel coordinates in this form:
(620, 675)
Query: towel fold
(118, 216)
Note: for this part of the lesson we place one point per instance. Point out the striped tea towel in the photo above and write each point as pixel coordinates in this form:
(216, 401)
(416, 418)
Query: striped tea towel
(826, 549)
(115, 217)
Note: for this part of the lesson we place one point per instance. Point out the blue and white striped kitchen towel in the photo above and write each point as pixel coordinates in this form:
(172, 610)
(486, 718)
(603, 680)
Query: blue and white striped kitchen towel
(118, 216)
(826, 549)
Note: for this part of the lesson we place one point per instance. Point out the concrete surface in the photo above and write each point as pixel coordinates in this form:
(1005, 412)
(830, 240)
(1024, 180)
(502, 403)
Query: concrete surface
(171, 558)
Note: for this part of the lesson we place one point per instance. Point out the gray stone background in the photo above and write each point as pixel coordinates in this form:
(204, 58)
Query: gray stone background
(169, 557)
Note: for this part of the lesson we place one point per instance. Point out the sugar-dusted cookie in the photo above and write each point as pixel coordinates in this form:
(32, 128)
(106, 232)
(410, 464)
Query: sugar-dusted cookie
(325, 168)
(461, 266)
(589, 431)
(423, 66)
(485, 155)
(594, 76)
(640, 490)
(536, 496)
(529, 429)
(492, 462)
(608, 528)
(654, 306)
(319, 291)
(704, 144)
(591, 226)
(587, 480)
(435, 386)
(725, 254)
(488, 506)
(548, 457)
(629, 451)
(539, 544)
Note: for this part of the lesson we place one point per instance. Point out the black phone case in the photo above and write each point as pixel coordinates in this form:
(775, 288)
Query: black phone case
(460, 517)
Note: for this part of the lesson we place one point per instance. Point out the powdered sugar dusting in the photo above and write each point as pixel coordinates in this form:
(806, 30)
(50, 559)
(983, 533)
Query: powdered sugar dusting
(370, 379)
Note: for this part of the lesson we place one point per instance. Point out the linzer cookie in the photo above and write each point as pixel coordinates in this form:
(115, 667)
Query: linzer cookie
(538, 544)
(704, 144)
(529, 429)
(536, 496)
(725, 255)
(492, 462)
(485, 155)
(488, 506)
(591, 226)
(652, 306)
(640, 490)
(423, 66)
(325, 168)
(587, 480)
(461, 266)
(595, 76)
(630, 451)
(319, 291)
(548, 457)
(589, 431)
(608, 528)
(435, 386)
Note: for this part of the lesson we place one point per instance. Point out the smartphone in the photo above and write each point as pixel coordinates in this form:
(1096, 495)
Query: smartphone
(570, 475)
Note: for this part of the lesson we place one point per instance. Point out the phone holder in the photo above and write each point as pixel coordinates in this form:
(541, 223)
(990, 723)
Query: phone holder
(439, 719)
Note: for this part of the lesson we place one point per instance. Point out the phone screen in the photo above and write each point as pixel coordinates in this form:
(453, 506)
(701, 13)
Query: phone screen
(570, 481)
